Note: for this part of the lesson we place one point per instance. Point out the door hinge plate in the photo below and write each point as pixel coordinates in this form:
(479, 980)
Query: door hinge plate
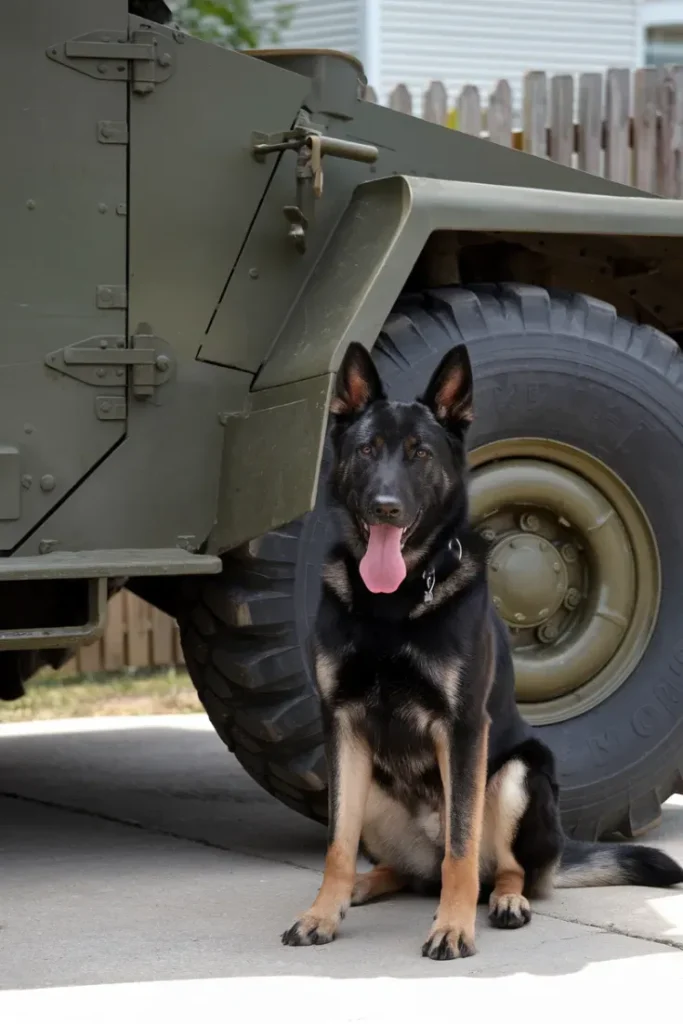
(112, 296)
(143, 59)
(105, 361)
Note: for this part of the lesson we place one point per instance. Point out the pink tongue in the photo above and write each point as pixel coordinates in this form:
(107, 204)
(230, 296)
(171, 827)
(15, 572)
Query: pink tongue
(382, 567)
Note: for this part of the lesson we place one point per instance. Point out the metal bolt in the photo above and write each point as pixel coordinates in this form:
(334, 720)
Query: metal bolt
(102, 68)
(165, 60)
(488, 535)
(496, 602)
(543, 612)
(512, 544)
(26, 481)
(543, 545)
(103, 341)
(101, 372)
(46, 546)
(529, 522)
(121, 209)
(120, 67)
(254, 273)
(120, 372)
(572, 598)
(179, 36)
(105, 131)
(162, 363)
(519, 617)
(568, 552)
(28, 428)
(47, 482)
(547, 633)
(102, 207)
(30, 204)
(556, 566)
(105, 406)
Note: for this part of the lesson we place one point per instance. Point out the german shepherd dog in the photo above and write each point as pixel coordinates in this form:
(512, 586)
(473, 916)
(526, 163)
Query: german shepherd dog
(431, 767)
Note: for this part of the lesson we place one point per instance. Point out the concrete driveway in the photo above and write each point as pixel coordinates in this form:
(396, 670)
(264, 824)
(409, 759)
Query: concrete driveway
(143, 876)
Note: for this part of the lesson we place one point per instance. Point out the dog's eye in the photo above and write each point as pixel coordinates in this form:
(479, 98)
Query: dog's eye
(421, 453)
(365, 449)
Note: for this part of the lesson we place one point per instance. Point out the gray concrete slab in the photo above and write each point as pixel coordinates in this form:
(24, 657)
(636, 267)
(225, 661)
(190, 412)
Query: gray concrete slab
(144, 876)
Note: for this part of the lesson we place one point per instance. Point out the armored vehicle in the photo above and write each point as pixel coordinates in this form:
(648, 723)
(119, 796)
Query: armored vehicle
(192, 236)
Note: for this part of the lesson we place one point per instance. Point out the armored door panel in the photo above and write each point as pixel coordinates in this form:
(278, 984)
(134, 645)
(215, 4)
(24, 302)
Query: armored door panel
(62, 207)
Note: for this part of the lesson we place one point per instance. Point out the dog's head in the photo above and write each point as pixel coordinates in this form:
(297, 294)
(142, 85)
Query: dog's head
(400, 468)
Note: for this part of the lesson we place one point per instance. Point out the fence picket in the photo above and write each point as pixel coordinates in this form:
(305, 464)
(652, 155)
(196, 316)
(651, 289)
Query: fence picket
(562, 119)
(499, 117)
(469, 111)
(535, 113)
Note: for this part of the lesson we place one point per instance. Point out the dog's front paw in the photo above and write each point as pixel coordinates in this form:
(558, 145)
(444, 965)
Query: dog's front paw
(311, 930)
(449, 942)
(509, 910)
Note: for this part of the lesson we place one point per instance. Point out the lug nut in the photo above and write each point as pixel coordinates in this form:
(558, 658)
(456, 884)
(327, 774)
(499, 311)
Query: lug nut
(572, 598)
(547, 633)
(568, 552)
(529, 522)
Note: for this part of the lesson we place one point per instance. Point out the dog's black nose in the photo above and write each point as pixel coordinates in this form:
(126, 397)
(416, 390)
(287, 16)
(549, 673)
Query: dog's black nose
(387, 508)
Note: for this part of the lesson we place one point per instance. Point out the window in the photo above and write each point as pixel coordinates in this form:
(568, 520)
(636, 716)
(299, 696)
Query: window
(663, 45)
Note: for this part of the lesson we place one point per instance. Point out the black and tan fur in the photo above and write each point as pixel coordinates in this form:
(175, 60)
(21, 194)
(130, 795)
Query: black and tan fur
(431, 767)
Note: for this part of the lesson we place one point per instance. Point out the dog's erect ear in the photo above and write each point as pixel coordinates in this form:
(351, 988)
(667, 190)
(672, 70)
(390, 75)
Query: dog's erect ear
(449, 392)
(358, 383)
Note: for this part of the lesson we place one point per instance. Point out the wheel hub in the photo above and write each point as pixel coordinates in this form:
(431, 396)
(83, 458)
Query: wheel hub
(529, 580)
(573, 571)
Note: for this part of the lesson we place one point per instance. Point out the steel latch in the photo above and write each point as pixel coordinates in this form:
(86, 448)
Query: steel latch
(113, 56)
(103, 361)
(310, 146)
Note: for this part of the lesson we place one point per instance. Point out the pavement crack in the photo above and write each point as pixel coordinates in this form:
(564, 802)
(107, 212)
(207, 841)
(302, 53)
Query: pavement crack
(153, 829)
(611, 929)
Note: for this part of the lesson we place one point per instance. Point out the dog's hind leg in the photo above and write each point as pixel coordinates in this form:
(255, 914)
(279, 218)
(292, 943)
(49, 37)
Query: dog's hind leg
(506, 801)
(381, 881)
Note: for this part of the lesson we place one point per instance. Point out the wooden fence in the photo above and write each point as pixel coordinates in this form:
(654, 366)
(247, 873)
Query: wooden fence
(625, 126)
(137, 636)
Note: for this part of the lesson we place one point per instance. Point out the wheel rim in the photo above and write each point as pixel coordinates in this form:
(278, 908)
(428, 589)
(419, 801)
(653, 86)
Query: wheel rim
(574, 571)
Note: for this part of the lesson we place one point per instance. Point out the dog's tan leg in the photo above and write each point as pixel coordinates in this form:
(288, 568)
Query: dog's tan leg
(381, 881)
(350, 770)
(462, 765)
(506, 802)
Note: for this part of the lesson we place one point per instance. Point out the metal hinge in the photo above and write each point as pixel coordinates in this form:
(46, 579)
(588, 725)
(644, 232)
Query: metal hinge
(102, 361)
(114, 57)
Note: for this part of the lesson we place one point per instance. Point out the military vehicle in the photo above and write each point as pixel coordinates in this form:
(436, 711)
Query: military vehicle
(192, 236)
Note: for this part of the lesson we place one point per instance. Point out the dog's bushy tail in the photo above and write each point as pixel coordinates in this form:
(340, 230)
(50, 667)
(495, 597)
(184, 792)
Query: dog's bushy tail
(586, 864)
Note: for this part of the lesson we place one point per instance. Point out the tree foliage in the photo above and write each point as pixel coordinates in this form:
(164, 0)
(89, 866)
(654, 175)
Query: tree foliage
(232, 22)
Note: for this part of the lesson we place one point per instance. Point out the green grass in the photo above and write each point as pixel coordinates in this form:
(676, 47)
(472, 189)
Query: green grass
(52, 695)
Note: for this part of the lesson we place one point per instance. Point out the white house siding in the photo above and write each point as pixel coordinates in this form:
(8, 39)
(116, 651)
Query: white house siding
(481, 41)
(469, 41)
(334, 24)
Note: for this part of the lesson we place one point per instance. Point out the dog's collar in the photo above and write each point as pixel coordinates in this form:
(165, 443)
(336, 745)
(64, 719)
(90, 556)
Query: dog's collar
(429, 575)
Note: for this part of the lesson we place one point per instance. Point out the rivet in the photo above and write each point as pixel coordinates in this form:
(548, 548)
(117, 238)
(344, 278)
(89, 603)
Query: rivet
(26, 481)
(102, 207)
(543, 545)
(101, 372)
(102, 68)
(105, 406)
(179, 36)
(120, 67)
(47, 482)
(572, 599)
(28, 428)
(121, 209)
(45, 546)
(512, 544)
(30, 204)
(120, 343)
(165, 60)
(223, 418)
(254, 273)
(162, 363)
(120, 372)
(488, 534)
(103, 341)
(496, 602)
(495, 567)
(543, 612)
(519, 617)
(556, 566)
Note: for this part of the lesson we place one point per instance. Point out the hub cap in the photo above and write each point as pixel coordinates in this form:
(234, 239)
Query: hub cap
(574, 571)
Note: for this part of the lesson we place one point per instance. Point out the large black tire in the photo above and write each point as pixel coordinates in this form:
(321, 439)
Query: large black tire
(547, 365)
